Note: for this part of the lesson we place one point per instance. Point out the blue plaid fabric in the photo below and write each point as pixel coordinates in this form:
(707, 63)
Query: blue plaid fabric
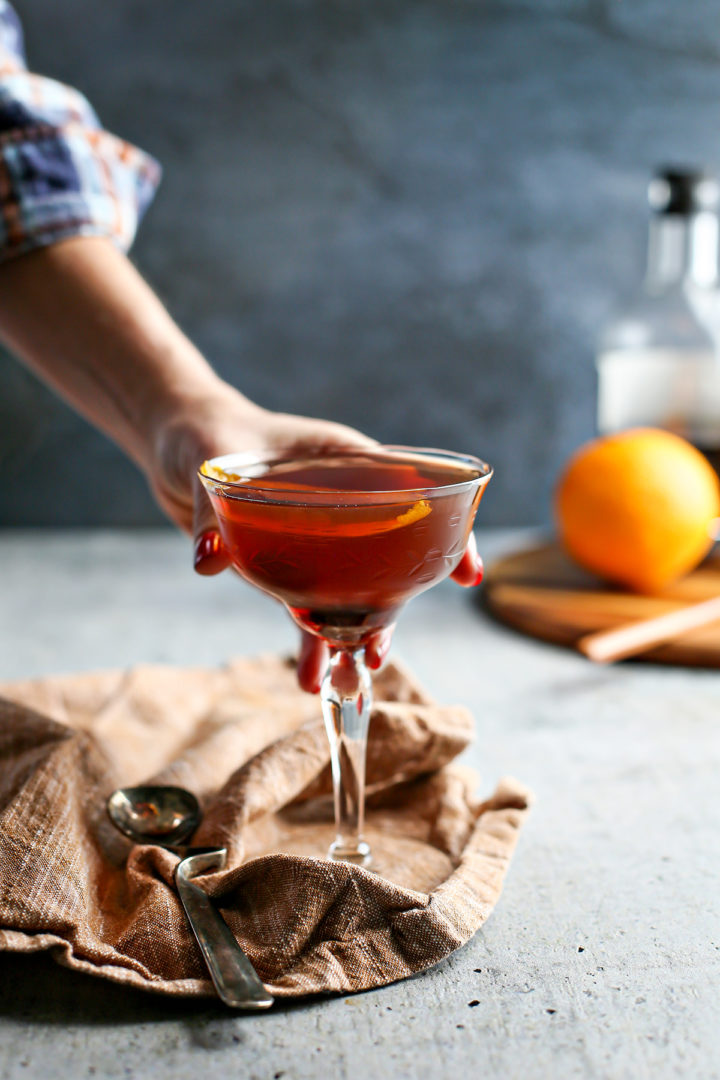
(61, 173)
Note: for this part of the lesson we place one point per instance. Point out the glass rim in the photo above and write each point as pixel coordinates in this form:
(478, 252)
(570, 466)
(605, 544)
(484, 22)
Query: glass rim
(253, 485)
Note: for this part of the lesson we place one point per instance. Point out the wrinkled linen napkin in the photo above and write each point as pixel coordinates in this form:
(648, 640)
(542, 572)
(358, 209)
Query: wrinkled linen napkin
(253, 748)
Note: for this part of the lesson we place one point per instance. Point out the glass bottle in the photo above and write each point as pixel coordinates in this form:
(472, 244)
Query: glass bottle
(659, 363)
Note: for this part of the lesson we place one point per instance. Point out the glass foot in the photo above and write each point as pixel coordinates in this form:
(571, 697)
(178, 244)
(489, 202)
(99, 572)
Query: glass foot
(359, 853)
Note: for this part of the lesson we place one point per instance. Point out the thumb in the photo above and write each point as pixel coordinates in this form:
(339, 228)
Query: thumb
(210, 554)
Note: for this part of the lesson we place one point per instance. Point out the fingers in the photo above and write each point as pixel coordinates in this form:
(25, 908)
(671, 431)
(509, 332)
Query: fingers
(377, 648)
(469, 571)
(314, 658)
(312, 662)
(209, 555)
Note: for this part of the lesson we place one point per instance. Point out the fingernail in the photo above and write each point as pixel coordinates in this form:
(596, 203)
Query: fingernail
(375, 657)
(480, 573)
(384, 648)
(309, 683)
(207, 547)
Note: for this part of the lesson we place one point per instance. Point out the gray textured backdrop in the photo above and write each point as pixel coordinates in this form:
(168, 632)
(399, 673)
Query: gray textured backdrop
(410, 216)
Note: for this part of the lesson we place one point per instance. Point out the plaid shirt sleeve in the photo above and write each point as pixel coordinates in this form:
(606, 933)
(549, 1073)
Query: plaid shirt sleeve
(61, 173)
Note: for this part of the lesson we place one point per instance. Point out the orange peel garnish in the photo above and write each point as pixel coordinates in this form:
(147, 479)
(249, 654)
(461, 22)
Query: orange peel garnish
(318, 520)
(416, 512)
(216, 473)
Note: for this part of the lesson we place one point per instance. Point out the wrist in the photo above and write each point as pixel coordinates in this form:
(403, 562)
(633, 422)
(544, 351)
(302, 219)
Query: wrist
(190, 426)
(185, 380)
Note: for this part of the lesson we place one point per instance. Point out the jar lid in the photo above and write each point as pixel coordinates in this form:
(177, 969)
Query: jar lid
(683, 191)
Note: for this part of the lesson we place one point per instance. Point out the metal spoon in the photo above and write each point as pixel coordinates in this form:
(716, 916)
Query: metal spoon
(166, 816)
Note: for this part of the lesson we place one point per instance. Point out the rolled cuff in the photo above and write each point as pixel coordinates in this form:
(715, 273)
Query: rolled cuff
(57, 182)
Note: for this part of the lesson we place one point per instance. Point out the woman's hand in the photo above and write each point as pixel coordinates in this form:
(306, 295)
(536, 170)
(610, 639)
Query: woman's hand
(79, 314)
(226, 422)
(222, 421)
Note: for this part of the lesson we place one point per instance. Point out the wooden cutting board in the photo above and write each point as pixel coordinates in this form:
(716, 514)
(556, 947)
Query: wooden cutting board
(540, 592)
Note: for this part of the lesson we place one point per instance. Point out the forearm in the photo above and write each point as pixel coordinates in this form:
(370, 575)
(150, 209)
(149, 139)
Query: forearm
(80, 315)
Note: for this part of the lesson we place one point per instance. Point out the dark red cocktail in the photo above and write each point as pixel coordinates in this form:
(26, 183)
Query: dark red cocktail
(344, 539)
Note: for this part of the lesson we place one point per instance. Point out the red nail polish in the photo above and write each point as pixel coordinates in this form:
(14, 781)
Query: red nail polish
(207, 547)
(377, 655)
(480, 574)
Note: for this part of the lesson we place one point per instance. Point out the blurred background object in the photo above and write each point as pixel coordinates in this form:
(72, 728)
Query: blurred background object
(414, 217)
(658, 362)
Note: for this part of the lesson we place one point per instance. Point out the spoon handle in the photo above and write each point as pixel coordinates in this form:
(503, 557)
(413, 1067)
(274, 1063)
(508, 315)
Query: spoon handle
(235, 979)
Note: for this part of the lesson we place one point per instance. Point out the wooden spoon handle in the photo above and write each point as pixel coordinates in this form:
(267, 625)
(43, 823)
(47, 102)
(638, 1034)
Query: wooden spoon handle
(637, 637)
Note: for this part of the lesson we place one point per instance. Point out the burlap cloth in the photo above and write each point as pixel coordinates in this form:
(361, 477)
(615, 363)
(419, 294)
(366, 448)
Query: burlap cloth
(70, 883)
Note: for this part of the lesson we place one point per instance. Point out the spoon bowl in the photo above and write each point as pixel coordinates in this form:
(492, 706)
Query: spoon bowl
(166, 816)
(151, 814)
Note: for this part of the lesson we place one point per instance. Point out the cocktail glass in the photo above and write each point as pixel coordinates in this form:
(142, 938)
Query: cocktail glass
(344, 540)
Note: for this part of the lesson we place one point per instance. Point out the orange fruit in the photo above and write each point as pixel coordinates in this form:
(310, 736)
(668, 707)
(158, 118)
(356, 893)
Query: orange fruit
(638, 507)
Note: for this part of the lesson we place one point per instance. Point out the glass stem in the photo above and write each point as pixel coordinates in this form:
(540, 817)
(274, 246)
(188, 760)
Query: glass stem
(346, 696)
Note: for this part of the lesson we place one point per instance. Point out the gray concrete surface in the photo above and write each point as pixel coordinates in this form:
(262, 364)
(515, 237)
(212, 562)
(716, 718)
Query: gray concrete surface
(410, 215)
(602, 959)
